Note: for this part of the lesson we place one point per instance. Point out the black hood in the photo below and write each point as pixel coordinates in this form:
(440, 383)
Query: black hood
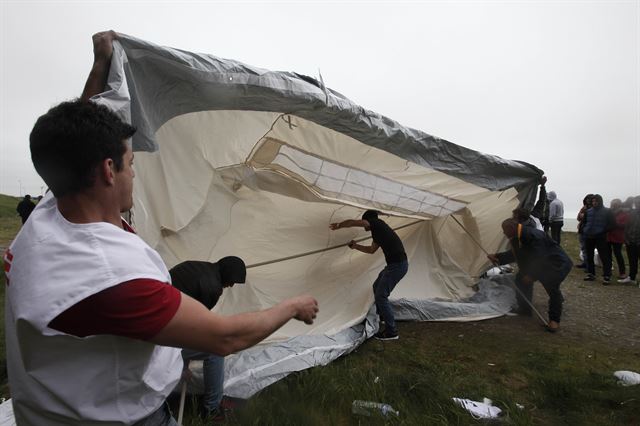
(232, 270)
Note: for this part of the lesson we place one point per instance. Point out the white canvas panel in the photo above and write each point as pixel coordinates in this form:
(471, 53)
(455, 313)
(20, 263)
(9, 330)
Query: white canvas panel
(286, 162)
(386, 198)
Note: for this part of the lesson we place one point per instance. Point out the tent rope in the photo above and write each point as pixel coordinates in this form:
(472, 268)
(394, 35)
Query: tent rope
(295, 256)
(525, 298)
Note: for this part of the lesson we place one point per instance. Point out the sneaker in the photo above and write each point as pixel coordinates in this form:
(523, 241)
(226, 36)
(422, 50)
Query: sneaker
(553, 327)
(581, 266)
(606, 280)
(385, 335)
(625, 280)
(589, 277)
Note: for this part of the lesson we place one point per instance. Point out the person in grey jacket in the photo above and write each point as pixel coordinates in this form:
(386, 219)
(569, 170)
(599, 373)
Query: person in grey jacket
(598, 219)
(556, 216)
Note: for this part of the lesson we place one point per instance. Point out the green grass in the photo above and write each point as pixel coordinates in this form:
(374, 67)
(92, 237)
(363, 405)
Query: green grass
(557, 383)
(9, 227)
(9, 219)
(8, 205)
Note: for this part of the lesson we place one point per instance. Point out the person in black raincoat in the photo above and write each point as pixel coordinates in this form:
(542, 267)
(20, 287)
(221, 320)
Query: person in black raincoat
(25, 207)
(539, 259)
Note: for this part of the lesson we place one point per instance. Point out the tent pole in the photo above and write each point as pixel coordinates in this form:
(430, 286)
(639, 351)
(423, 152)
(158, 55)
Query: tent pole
(183, 394)
(295, 256)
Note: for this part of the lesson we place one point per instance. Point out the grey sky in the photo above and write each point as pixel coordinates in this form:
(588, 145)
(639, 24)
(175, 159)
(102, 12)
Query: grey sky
(556, 84)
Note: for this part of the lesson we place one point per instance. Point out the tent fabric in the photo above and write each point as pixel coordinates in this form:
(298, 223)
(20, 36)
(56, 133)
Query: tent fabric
(236, 160)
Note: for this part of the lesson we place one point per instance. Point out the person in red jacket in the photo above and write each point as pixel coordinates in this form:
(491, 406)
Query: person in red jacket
(615, 237)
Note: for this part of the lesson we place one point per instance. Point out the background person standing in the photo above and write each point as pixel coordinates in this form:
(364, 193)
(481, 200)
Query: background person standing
(597, 220)
(615, 236)
(556, 216)
(632, 239)
(25, 207)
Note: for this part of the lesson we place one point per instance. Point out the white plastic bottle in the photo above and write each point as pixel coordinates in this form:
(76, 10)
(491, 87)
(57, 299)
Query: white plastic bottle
(367, 408)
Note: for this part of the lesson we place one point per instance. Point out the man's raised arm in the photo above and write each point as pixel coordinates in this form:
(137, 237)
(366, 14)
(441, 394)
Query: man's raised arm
(102, 52)
(349, 223)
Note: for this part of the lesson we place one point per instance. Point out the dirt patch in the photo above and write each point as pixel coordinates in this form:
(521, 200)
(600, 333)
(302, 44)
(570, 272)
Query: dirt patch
(593, 313)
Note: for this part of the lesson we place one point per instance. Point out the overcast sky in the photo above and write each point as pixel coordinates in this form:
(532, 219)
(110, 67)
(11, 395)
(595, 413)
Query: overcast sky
(555, 84)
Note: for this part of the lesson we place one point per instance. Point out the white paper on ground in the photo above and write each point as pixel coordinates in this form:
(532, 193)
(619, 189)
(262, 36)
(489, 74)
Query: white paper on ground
(479, 410)
(627, 378)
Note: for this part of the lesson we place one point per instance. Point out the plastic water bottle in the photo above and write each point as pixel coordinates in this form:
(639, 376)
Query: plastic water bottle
(368, 408)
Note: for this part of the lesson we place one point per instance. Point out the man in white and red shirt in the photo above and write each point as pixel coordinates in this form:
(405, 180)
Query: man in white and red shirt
(95, 341)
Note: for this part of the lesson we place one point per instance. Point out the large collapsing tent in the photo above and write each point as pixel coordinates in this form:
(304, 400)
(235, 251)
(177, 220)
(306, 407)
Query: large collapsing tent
(236, 160)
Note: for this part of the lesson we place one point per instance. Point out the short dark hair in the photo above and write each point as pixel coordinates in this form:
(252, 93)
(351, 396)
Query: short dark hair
(71, 139)
(370, 214)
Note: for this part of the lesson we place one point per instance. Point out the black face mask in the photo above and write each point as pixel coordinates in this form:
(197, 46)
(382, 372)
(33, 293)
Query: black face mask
(232, 270)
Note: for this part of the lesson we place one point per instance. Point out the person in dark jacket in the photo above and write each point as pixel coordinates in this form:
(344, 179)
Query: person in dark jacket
(205, 281)
(615, 237)
(586, 205)
(25, 207)
(397, 265)
(598, 219)
(632, 239)
(539, 259)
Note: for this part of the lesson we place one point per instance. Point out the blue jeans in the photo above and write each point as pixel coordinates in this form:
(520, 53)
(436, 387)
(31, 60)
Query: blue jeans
(213, 375)
(382, 288)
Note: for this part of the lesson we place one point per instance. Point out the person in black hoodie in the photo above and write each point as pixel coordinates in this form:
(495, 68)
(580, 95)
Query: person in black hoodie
(539, 259)
(598, 220)
(205, 281)
(25, 207)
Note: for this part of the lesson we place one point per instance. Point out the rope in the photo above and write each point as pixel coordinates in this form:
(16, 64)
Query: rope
(295, 256)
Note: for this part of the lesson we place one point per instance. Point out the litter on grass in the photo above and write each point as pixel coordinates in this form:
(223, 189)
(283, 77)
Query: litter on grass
(479, 410)
(627, 378)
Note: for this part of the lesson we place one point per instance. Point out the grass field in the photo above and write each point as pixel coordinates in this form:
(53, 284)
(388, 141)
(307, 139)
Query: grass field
(564, 378)
(9, 226)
